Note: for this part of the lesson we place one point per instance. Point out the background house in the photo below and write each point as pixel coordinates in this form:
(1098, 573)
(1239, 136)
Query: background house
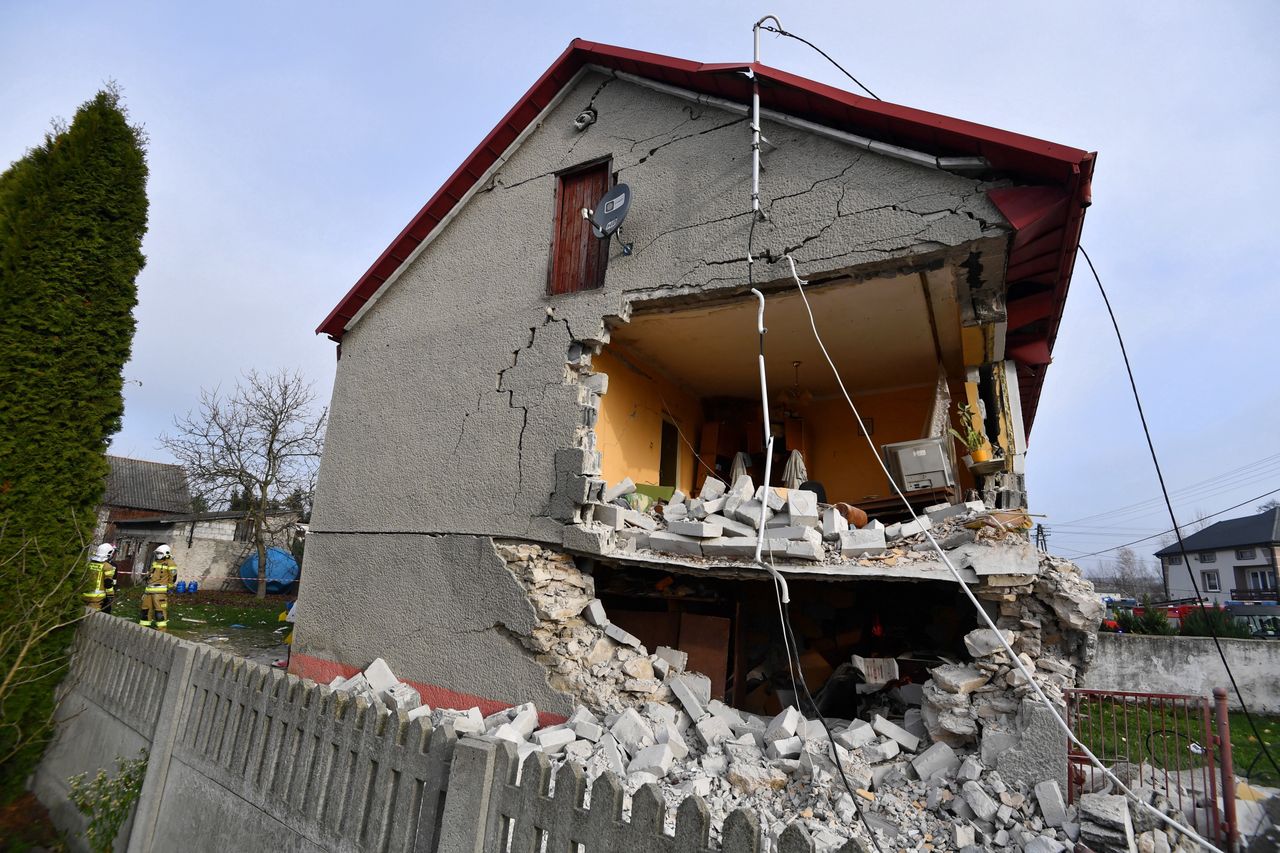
(1233, 560)
(207, 546)
(137, 488)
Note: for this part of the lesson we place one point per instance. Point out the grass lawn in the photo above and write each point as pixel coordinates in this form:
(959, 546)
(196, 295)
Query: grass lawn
(236, 621)
(1172, 739)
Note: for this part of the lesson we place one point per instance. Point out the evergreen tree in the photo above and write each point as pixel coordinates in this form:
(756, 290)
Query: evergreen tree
(72, 215)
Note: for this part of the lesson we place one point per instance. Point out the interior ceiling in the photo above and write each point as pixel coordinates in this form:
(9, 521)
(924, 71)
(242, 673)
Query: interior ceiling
(877, 331)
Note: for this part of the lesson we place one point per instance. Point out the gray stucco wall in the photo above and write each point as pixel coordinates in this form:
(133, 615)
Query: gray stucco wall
(1188, 665)
(453, 395)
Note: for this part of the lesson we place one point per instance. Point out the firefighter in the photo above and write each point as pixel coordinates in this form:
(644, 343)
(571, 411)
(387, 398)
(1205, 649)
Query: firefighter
(155, 598)
(102, 579)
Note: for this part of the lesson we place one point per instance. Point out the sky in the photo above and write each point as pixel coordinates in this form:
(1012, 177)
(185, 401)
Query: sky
(290, 142)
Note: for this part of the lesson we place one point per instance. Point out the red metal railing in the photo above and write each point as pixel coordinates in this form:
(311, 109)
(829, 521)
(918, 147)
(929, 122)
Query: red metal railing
(1175, 744)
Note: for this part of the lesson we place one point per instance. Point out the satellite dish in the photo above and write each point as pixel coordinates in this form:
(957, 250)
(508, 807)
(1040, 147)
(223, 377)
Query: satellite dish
(610, 211)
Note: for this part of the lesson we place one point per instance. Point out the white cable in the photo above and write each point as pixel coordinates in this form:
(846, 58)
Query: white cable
(1017, 662)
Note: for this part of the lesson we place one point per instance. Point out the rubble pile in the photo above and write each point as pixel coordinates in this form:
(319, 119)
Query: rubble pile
(913, 795)
(723, 522)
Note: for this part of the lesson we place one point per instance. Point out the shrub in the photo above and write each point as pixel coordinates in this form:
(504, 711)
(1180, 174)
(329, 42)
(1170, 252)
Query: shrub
(1198, 623)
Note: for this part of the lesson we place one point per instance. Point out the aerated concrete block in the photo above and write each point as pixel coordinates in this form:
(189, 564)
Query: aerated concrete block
(618, 635)
(730, 526)
(911, 528)
(402, 697)
(687, 694)
(875, 753)
(677, 497)
(713, 506)
(656, 759)
(857, 735)
(610, 515)
(676, 658)
(771, 498)
(380, 676)
(695, 529)
(780, 519)
(626, 487)
(783, 725)
(674, 543)
(785, 747)
(713, 730)
(855, 543)
(803, 506)
(805, 549)
(742, 487)
(639, 519)
(712, 488)
(675, 512)
(594, 613)
(905, 739)
(554, 740)
(833, 524)
(670, 735)
(632, 732)
(938, 758)
(748, 512)
(1049, 796)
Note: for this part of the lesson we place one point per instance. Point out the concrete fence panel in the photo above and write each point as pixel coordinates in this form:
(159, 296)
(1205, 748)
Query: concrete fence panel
(1192, 665)
(243, 756)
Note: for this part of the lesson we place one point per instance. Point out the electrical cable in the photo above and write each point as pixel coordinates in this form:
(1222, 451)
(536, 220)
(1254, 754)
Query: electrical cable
(1182, 547)
(1166, 532)
(977, 606)
(780, 31)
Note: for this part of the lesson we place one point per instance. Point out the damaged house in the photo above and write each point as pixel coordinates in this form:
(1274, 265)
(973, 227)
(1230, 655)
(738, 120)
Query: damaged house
(545, 459)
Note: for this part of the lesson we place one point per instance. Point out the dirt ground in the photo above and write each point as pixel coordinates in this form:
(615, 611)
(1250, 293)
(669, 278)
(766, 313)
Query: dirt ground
(25, 827)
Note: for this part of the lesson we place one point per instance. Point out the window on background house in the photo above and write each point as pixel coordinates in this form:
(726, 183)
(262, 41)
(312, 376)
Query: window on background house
(1209, 581)
(1209, 557)
(1175, 560)
(1246, 554)
(578, 257)
(1262, 580)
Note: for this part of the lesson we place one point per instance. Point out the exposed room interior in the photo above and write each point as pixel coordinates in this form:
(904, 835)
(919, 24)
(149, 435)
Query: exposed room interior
(683, 396)
(730, 630)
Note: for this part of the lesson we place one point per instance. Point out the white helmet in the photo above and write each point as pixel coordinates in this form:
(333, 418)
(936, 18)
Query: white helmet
(104, 552)
(164, 552)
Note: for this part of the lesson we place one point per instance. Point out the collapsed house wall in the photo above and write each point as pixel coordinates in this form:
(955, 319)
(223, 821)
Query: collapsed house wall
(457, 410)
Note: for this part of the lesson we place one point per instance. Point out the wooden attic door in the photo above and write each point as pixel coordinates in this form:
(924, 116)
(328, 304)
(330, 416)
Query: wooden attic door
(578, 257)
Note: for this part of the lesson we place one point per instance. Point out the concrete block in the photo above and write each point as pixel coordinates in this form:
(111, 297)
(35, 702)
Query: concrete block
(424, 711)
(670, 735)
(695, 529)
(875, 753)
(506, 731)
(656, 759)
(689, 697)
(626, 487)
(525, 718)
(697, 509)
(807, 549)
(748, 512)
(983, 806)
(938, 758)
(711, 507)
(905, 739)
(785, 747)
(771, 498)
(731, 527)
(784, 725)
(402, 697)
(789, 531)
(618, 635)
(677, 497)
(833, 524)
(911, 528)
(713, 730)
(1052, 807)
(855, 543)
(712, 488)
(742, 487)
(580, 751)
(970, 769)
(674, 543)
(610, 515)
(676, 658)
(941, 512)
(380, 677)
(611, 752)
(724, 712)
(576, 537)
(892, 532)
(675, 512)
(857, 735)
(555, 739)
(630, 539)
(873, 524)
(639, 519)
(589, 731)
(594, 613)
(632, 732)
(742, 548)
(803, 507)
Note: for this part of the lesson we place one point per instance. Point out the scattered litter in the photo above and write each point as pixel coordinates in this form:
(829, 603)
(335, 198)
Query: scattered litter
(197, 621)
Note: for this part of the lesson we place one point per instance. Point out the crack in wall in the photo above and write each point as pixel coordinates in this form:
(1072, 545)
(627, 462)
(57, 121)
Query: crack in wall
(658, 148)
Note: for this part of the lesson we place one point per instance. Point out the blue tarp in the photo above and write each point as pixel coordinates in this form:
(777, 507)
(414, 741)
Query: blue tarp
(282, 571)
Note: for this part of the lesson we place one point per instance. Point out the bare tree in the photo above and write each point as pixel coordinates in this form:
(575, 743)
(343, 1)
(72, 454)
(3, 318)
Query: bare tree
(263, 439)
(1268, 505)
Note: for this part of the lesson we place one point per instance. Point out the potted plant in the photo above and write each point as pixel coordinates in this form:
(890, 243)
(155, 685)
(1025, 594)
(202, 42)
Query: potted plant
(970, 435)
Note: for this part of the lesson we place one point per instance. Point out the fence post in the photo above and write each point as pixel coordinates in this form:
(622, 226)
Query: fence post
(162, 741)
(1228, 771)
(466, 805)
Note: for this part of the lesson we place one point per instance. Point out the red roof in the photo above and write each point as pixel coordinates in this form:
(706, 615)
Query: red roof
(1047, 214)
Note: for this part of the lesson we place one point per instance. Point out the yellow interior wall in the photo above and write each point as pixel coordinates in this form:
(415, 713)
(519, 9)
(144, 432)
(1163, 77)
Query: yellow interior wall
(629, 429)
(839, 457)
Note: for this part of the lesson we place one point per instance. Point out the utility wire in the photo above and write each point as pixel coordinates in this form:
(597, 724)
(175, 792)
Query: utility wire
(973, 599)
(780, 31)
(1182, 547)
(1166, 532)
